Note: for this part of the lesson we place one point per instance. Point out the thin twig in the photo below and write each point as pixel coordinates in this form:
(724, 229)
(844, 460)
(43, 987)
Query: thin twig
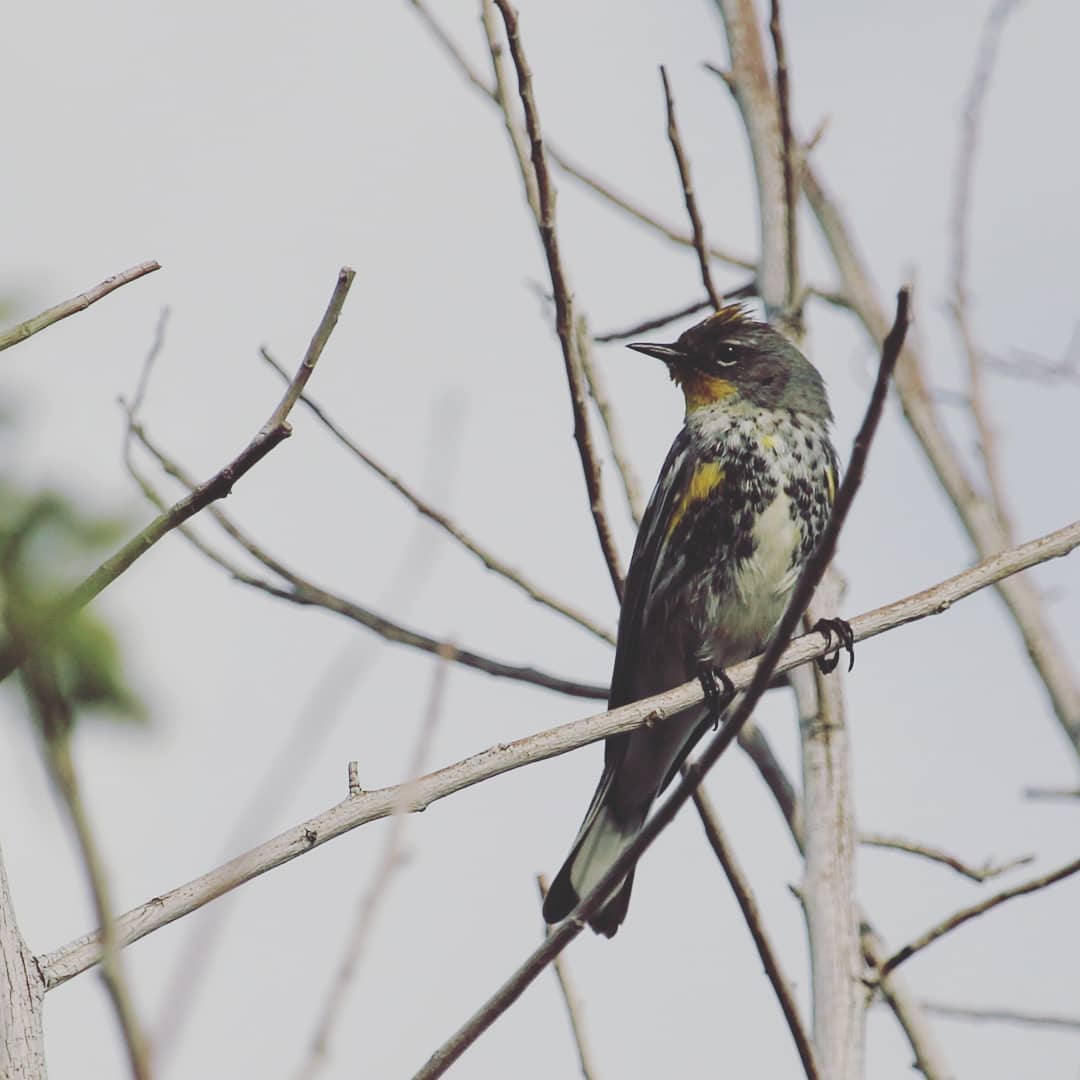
(81, 954)
(565, 317)
(788, 150)
(75, 305)
(683, 165)
(299, 590)
(570, 1000)
(744, 895)
(504, 97)
(655, 323)
(1052, 793)
(1058, 1021)
(274, 431)
(528, 971)
(961, 219)
(965, 914)
(590, 180)
(52, 712)
(390, 861)
(598, 392)
(982, 873)
(922, 1038)
(491, 561)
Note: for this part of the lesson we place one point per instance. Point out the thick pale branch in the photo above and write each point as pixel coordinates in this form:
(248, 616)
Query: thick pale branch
(752, 89)
(22, 997)
(75, 305)
(77, 956)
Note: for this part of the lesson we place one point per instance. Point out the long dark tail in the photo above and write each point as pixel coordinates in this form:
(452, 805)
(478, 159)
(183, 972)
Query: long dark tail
(600, 841)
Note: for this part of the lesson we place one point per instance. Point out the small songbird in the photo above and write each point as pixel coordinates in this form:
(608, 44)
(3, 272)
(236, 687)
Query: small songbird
(739, 506)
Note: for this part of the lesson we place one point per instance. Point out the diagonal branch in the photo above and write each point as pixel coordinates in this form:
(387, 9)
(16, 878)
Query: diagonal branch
(75, 305)
(961, 218)
(980, 874)
(274, 431)
(688, 193)
(744, 895)
(299, 590)
(84, 952)
(966, 914)
(565, 314)
(422, 506)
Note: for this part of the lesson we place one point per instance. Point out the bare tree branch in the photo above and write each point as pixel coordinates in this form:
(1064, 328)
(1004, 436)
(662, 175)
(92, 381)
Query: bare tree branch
(788, 153)
(565, 311)
(22, 991)
(1004, 1016)
(75, 305)
(961, 219)
(976, 514)
(982, 873)
(655, 323)
(923, 1040)
(389, 863)
(828, 885)
(81, 954)
(1052, 793)
(55, 722)
(744, 896)
(590, 180)
(444, 521)
(966, 914)
(683, 165)
(750, 85)
(598, 392)
(274, 431)
(570, 1000)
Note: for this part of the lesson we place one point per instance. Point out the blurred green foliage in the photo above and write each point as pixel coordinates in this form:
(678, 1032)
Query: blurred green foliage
(46, 541)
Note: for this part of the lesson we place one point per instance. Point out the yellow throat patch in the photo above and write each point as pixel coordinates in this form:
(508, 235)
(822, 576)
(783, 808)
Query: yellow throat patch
(700, 389)
(707, 477)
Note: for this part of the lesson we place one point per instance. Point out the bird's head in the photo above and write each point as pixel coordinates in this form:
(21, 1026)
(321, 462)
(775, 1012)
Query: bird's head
(731, 357)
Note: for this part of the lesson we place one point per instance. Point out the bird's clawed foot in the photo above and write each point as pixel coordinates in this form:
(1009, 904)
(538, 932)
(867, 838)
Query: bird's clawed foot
(842, 629)
(718, 689)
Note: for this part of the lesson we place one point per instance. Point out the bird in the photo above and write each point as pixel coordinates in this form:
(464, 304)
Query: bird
(739, 506)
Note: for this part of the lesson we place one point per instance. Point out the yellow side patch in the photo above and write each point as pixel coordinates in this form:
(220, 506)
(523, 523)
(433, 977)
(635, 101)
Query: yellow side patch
(768, 442)
(830, 479)
(701, 390)
(707, 478)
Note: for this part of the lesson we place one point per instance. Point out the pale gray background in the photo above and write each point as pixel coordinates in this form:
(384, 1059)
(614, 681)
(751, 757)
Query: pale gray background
(255, 149)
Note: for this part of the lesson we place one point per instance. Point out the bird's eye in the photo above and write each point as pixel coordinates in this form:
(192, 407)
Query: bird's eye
(725, 355)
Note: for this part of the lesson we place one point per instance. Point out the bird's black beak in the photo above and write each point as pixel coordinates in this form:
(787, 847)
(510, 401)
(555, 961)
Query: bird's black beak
(667, 353)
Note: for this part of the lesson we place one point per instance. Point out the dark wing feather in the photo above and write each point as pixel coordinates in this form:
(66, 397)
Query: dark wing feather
(668, 493)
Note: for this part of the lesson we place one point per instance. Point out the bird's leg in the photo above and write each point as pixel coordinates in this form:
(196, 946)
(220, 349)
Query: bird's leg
(718, 689)
(842, 629)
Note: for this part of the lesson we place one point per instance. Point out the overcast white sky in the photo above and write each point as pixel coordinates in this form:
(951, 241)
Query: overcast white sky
(255, 149)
